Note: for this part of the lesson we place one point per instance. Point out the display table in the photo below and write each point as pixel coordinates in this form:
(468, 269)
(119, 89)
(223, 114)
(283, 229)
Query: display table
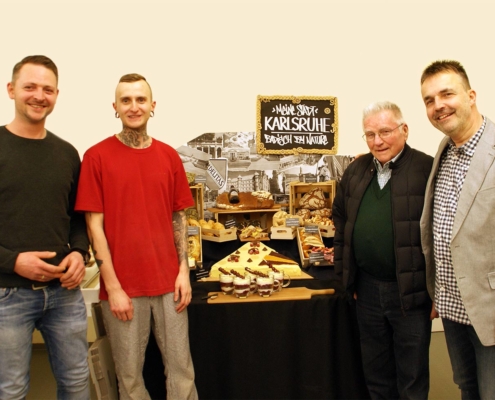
(296, 349)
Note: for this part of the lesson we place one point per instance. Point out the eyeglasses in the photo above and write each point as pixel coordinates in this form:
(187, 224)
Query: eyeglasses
(383, 134)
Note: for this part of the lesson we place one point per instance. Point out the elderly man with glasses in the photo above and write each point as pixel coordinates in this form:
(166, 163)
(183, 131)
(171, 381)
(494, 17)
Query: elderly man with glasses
(378, 254)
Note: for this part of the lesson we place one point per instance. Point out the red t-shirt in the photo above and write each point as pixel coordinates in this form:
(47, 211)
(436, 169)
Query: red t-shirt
(137, 190)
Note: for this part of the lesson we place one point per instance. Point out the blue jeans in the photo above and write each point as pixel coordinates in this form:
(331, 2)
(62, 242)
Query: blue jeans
(473, 364)
(60, 315)
(394, 345)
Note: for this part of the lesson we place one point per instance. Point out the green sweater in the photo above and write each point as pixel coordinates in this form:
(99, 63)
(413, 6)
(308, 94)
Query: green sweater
(38, 182)
(373, 235)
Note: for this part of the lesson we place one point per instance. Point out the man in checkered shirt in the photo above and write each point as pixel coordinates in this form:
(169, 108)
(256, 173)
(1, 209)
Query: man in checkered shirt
(458, 227)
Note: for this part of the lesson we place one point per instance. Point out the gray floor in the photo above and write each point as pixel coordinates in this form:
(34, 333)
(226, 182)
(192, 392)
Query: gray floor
(441, 388)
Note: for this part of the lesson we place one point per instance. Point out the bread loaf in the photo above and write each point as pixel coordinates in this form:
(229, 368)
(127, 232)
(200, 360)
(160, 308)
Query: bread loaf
(323, 212)
(313, 200)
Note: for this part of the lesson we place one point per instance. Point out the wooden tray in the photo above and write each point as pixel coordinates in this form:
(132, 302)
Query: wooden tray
(294, 293)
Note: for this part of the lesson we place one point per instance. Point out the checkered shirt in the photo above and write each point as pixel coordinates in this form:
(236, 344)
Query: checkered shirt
(384, 173)
(454, 165)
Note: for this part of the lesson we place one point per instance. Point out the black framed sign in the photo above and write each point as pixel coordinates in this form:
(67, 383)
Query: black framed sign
(292, 125)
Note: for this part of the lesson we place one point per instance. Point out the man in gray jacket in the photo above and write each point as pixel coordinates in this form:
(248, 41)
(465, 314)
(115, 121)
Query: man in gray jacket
(458, 227)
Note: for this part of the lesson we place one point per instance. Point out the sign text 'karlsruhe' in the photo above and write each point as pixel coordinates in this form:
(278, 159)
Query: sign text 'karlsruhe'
(291, 125)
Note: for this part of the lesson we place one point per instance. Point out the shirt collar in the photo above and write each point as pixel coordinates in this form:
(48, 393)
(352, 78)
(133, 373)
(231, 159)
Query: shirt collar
(470, 146)
(387, 164)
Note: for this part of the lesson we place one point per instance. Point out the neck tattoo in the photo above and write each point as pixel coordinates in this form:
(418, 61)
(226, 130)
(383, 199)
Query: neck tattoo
(135, 138)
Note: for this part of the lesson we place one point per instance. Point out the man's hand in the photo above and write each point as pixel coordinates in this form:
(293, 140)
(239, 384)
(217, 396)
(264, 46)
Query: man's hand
(30, 265)
(74, 267)
(182, 290)
(433, 313)
(120, 304)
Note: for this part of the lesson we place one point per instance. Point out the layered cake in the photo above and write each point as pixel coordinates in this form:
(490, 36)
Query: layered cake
(258, 257)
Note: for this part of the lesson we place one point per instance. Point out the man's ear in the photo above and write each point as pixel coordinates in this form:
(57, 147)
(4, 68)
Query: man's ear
(405, 131)
(472, 97)
(10, 90)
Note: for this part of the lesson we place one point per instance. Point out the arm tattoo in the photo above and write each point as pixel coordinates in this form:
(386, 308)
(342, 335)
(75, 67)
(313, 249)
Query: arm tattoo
(97, 260)
(180, 234)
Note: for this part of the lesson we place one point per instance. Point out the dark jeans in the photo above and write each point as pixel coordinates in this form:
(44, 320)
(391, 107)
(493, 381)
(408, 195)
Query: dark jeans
(473, 364)
(394, 346)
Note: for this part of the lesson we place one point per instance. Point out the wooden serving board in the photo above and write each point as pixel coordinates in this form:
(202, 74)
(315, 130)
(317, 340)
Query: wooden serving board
(294, 293)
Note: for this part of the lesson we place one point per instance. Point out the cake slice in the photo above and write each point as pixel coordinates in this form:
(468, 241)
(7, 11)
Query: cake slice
(277, 258)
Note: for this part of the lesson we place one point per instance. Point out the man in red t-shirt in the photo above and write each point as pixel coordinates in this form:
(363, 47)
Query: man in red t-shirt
(134, 190)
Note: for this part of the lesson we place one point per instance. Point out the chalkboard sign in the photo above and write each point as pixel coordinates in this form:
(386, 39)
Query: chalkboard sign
(293, 125)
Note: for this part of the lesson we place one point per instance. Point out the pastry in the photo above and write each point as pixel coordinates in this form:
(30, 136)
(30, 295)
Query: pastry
(193, 247)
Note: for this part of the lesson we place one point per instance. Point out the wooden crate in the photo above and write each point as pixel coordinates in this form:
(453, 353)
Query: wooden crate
(326, 231)
(283, 232)
(299, 189)
(304, 259)
(197, 193)
(219, 235)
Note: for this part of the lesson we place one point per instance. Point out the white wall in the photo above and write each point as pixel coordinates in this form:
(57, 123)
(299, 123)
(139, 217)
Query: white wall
(207, 60)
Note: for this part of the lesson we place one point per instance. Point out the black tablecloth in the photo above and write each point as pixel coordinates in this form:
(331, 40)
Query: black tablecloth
(300, 349)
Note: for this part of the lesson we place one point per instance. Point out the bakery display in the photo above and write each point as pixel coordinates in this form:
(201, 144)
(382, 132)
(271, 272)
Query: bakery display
(313, 203)
(257, 256)
(247, 201)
